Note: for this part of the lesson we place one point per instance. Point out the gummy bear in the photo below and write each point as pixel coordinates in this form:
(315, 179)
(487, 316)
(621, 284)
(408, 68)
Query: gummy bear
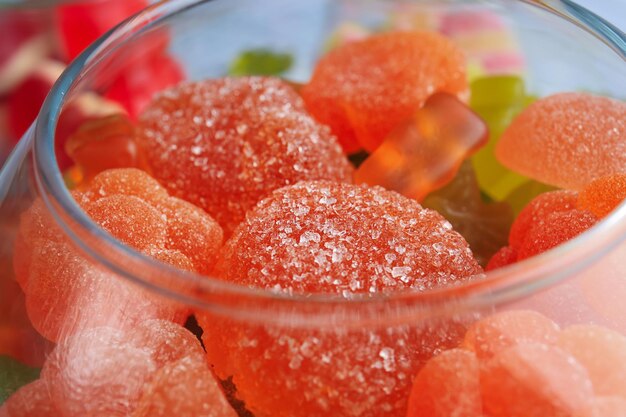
(66, 292)
(363, 95)
(485, 226)
(334, 238)
(224, 144)
(567, 140)
(534, 380)
(448, 385)
(603, 195)
(497, 100)
(602, 352)
(492, 335)
(424, 152)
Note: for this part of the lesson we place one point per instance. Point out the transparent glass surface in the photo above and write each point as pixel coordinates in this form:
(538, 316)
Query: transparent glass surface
(72, 296)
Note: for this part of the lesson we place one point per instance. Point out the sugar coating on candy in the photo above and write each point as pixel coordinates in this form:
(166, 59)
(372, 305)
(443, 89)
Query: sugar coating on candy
(603, 195)
(326, 237)
(503, 257)
(534, 381)
(536, 212)
(166, 341)
(557, 228)
(224, 144)
(363, 89)
(125, 181)
(602, 352)
(97, 374)
(498, 332)
(32, 400)
(184, 388)
(567, 140)
(424, 152)
(448, 385)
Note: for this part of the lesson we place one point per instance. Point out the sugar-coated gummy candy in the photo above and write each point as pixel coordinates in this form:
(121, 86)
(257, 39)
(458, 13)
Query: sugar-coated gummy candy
(363, 95)
(166, 341)
(556, 229)
(534, 381)
(184, 388)
(425, 151)
(14, 375)
(603, 195)
(567, 140)
(493, 334)
(497, 100)
(537, 211)
(224, 144)
(506, 255)
(326, 237)
(32, 400)
(484, 225)
(602, 352)
(519, 197)
(334, 238)
(448, 385)
(65, 292)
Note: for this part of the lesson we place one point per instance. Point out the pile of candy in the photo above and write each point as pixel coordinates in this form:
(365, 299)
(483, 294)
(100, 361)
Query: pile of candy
(249, 181)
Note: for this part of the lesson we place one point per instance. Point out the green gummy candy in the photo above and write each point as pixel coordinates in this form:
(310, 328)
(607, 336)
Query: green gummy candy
(497, 91)
(14, 375)
(260, 62)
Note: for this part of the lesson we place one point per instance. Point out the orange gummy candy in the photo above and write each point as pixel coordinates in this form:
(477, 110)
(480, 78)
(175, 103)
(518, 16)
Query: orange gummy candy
(602, 352)
(224, 144)
(448, 385)
(603, 195)
(534, 381)
(492, 335)
(334, 238)
(567, 140)
(364, 89)
(425, 151)
(505, 256)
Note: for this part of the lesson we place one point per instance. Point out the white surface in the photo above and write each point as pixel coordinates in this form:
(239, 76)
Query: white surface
(612, 10)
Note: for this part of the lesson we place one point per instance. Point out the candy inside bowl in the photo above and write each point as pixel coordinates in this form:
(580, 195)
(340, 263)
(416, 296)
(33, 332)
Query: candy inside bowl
(329, 216)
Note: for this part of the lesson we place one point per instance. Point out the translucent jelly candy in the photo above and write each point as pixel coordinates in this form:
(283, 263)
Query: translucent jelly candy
(424, 152)
(260, 62)
(567, 140)
(497, 100)
(603, 195)
(448, 385)
(184, 388)
(534, 381)
(224, 144)
(65, 292)
(326, 237)
(485, 226)
(104, 143)
(14, 375)
(496, 333)
(363, 95)
(31, 400)
(602, 352)
(537, 211)
(314, 231)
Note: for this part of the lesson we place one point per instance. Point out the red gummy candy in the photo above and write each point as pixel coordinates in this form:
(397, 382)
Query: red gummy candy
(334, 238)
(492, 335)
(603, 195)
(567, 140)
(536, 212)
(79, 24)
(505, 256)
(557, 228)
(602, 352)
(425, 151)
(448, 385)
(534, 381)
(364, 89)
(224, 144)
(32, 400)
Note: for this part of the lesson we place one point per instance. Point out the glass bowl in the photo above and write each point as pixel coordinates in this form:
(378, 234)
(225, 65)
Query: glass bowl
(277, 354)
